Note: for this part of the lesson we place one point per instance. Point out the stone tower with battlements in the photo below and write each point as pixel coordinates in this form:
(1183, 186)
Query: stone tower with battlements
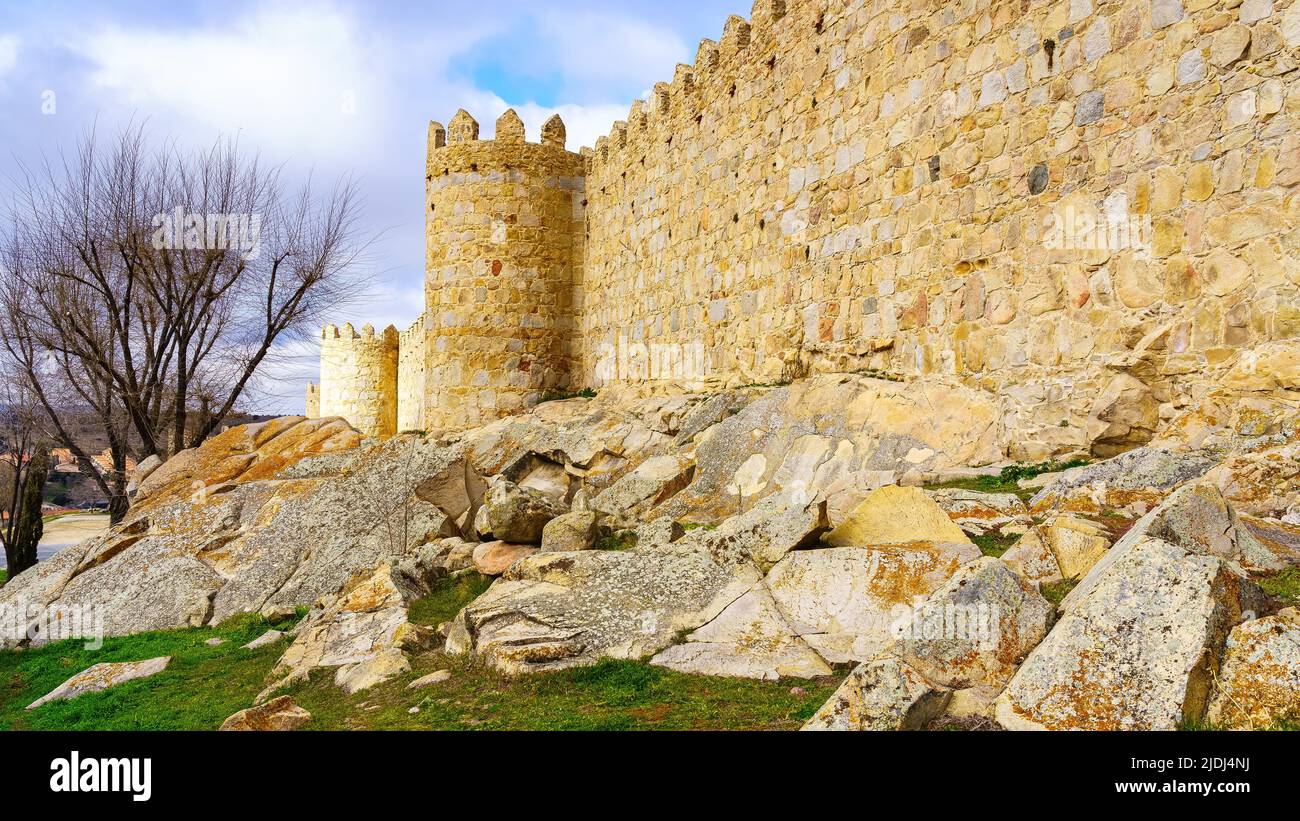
(504, 242)
(504, 250)
(358, 379)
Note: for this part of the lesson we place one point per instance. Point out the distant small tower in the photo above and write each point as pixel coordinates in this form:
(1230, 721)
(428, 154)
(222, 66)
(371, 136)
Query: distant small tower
(504, 239)
(358, 378)
(313, 401)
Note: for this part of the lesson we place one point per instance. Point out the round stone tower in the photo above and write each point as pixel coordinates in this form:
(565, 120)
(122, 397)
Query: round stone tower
(358, 378)
(505, 222)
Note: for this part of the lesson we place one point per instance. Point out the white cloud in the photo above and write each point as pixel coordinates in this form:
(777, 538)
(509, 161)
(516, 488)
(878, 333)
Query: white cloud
(284, 76)
(603, 51)
(8, 53)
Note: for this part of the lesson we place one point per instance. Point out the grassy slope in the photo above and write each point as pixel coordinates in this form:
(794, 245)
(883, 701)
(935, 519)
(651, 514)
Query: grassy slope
(613, 695)
(203, 685)
(199, 689)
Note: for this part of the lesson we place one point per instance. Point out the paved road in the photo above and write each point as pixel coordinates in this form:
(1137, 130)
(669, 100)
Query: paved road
(66, 531)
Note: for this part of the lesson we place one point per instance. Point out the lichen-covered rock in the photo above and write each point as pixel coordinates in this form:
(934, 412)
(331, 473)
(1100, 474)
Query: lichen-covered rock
(1261, 483)
(658, 532)
(843, 601)
(836, 437)
(511, 513)
(969, 636)
(649, 484)
(362, 630)
(277, 715)
(378, 668)
(1195, 517)
(1279, 537)
(457, 490)
(1258, 685)
(1033, 559)
(884, 694)
(896, 515)
(261, 516)
(1135, 481)
(557, 610)
(101, 677)
(748, 639)
(570, 531)
(1077, 544)
(975, 629)
(762, 535)
(1139, 650)
(977, 513)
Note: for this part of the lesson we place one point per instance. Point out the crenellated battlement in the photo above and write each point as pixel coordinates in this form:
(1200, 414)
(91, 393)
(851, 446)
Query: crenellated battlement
(348, 335)
(681, 106)
(463, 131)
(358, 377)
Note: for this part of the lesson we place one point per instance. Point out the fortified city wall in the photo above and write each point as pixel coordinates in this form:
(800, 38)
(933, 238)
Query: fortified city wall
(1087, 208)
(844, 185)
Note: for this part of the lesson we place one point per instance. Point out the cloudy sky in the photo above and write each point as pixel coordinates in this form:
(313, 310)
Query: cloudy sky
(333, 88)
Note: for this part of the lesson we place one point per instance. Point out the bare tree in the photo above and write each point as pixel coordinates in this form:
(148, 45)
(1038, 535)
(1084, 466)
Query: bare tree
(24, 467)
(150, 284)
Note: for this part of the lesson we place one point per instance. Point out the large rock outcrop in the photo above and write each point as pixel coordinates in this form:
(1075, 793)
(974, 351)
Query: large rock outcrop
(556, 610)
(362, 633)
(1139, 651)
(969, 635)
(260, 517)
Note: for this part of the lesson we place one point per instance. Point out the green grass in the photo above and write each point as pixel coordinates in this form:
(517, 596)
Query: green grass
(1055, 592)
(765, 385)
(995, 543)
(622, 540)
(876, 373)
(1283, 586)
(448, 596)
(1008, 480)
(613, 695)
(559, 396)
(1189, 725)
(199, 689)
(205, 685)
(4, 577)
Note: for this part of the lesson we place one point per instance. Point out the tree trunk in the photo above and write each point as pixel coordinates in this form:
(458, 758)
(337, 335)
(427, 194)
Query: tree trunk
(30, 525)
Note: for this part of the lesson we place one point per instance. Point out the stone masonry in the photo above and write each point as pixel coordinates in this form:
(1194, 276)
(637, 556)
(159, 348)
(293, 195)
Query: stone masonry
(1075, 205)
(358, 379)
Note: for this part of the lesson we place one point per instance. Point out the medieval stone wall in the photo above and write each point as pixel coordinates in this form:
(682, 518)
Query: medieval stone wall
(504, 261)
(908, 186)
(1087, 208)
(358, 378)
(410, 377)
